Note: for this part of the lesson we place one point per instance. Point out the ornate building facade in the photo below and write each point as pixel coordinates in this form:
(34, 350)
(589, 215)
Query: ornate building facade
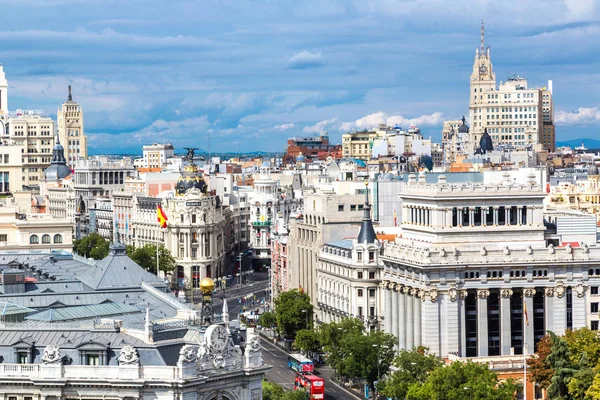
(471, 260)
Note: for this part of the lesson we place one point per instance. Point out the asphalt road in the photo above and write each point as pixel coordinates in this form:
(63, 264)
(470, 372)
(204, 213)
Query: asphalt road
(281, 374)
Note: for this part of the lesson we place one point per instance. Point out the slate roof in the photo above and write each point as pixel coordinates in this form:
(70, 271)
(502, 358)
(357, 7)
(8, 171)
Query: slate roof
(84, 312)
(117, 270)
(8, 308)
(343, 244)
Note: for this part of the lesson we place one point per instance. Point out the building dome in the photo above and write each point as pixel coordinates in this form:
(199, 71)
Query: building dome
(58, 168)
(207, 285)
(463, 128)
(485, 143)
(191, 178)
(593, 170)
(300, 158)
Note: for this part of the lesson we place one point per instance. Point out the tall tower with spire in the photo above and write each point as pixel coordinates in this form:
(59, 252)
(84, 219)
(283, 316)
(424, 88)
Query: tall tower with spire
(70, 129)
(3, 92)
(483, 81)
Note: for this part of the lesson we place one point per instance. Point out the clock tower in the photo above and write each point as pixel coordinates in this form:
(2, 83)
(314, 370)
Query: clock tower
(483, 81)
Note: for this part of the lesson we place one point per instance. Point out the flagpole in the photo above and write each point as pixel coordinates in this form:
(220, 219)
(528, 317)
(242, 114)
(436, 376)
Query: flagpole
(525, 321)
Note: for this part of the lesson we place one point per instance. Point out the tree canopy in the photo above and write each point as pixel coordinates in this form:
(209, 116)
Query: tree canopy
(92, 246)
(538, 366)
(145, 257)
(293, 312)
(308, 340)
(267, 319)
(272, 391)
(462, 381)
(413, 366)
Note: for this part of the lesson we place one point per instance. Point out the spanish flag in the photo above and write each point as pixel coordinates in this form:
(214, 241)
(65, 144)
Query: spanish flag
(162, 217)
(525, 312)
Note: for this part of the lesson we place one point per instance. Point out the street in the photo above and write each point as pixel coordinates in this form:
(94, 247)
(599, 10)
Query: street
(281, 374)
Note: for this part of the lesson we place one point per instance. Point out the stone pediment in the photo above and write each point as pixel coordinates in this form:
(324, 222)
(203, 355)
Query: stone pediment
(24, 342)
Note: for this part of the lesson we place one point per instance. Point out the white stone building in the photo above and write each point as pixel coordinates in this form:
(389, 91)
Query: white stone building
(69, 118)
(263, 212)
(470, 259)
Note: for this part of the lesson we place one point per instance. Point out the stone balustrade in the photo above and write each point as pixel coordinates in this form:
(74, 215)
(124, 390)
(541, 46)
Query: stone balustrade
(90, 372)
(440, 255)
(495, 363)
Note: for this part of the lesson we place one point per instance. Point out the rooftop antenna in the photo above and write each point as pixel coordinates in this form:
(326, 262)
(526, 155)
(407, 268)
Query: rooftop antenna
(482, 45)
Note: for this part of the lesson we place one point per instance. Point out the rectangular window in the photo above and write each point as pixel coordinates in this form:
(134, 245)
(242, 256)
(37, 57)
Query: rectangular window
(594, 326)
(371, 274)
(3, 238)
(372, 311)
(359, 256)
(340, 207)
(193, 218)
(360, 293)
(22, 357)
(594, 290)
(371, 256)
(371, 292)
(360, 275)
(181, 218)
(594, 308)
(92, 359)
(353, 207)
(360, 311)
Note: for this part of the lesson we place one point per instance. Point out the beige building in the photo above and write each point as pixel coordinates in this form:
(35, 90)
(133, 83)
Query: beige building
(11, 169)
(33, 132)
(156, 154)
(21, 231)
(513, 114)
(70, 130)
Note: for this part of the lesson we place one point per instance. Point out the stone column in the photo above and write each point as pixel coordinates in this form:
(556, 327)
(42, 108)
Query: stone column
(549, 309)
(505, 336)
(410, 320)
(579, 306)
(394, 309)
(462, 295)
(471, 215)
(459, 216)
(519, 215)
(560, 308)
(388, 307)
(507, 216)
(495, 211)
(417, 296)
(431, 321)
(528, 298)
(482, 322)
(401, 315)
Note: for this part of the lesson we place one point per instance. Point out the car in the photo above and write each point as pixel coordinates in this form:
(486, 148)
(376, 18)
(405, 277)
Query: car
(243, 327)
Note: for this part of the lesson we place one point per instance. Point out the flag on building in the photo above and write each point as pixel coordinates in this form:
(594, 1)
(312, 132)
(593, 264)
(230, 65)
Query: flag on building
(395, 222)
(526, 315)
(162, 217)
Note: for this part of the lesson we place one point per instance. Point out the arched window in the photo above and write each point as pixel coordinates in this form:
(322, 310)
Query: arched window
(34, 239)
(58, 238)
(46, 239)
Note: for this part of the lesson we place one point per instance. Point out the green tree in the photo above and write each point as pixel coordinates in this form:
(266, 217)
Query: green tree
(412, 367)
(594, 391)
(92, 245)
(308, 340)
(580, 383)
(462, 381)
(293, 311)
(331, 335)
(267, 319)
(538, 365)
(145, 257)
(299, 394)
(583, 341)
(560, 362)
(271, 391)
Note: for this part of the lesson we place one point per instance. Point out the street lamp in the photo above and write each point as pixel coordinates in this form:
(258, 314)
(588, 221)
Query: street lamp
(240, 257)
(378, 362)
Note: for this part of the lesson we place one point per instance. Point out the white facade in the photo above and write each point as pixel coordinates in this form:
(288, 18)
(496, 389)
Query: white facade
(156, 154)
(263, 201)
(69, 119)
(470, 257)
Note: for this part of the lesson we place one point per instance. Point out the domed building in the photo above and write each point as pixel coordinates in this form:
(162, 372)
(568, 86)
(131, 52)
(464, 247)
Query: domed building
(191, 177)
(485, 143)
(58, 168)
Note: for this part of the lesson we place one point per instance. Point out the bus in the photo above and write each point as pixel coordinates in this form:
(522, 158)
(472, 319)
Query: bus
(300, 364)
(314, 386)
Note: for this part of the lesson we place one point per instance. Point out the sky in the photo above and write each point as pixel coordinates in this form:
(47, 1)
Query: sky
(236, 75)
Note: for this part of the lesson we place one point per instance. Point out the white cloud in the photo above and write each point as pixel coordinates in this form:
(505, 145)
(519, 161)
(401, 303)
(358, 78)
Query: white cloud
(583, 115)
(319, 126)
(284, 127)
(306, 59)
(373, 120)
(172, 131)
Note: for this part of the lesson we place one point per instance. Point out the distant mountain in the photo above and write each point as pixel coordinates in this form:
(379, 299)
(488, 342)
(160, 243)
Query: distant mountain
(589, 143)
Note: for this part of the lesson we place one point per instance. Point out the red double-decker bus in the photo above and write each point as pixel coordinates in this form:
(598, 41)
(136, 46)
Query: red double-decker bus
(314, 386)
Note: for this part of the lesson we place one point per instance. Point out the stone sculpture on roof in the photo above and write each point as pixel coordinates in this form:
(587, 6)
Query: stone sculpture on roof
(51, 355)
(128, 356)
(186, 355)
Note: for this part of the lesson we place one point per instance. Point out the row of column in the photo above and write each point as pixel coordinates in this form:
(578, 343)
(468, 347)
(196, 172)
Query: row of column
(438, 319)
(419, 215)
(404, 321)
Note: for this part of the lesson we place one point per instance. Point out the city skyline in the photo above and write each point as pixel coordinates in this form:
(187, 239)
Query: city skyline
(252, 76)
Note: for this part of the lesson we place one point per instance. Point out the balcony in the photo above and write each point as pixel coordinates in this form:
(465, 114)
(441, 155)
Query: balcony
(90, 372)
